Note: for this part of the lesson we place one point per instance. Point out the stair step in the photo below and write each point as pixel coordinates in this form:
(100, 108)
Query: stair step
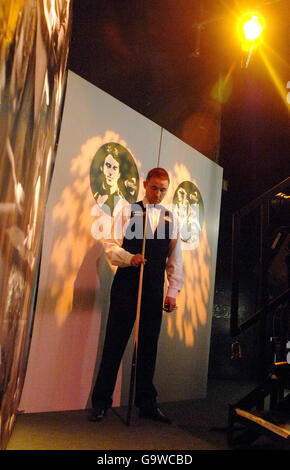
(282, 429)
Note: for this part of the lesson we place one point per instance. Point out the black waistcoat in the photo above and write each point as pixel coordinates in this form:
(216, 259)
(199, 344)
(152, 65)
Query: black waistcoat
(156, 250)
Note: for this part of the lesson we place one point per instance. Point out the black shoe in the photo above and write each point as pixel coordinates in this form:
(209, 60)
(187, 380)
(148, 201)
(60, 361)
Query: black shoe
(97, 414)
(155, 414)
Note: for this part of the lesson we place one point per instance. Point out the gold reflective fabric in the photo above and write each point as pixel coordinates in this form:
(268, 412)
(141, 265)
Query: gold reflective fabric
(34, 43)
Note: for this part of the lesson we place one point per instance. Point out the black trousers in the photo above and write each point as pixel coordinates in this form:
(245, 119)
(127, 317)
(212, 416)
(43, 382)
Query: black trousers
(121, 319)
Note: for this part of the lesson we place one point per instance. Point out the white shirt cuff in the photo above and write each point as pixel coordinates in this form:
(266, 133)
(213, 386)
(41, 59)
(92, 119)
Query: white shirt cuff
(172, 292)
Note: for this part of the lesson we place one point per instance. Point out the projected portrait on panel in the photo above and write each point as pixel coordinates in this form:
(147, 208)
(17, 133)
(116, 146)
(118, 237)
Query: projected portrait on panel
(113, 176)
(188, 206)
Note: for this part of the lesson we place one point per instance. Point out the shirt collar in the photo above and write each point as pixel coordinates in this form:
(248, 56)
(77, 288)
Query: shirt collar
(152, 206)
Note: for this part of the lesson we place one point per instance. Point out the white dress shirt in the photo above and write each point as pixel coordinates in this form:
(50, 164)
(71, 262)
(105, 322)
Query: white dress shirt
(118, 256)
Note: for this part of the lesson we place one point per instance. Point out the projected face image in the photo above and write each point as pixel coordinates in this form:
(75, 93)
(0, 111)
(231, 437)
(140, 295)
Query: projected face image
(188, 206)
(111, 171)
(113, 176)
(182, 196)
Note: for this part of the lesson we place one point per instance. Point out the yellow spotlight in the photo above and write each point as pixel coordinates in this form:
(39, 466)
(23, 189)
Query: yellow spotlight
(253, 28)
(250, 29)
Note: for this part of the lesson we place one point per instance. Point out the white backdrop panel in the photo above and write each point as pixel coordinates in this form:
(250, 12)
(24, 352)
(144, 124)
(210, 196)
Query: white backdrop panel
(75, 278)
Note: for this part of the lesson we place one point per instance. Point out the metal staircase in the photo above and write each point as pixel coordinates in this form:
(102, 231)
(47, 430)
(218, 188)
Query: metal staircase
(266, 409)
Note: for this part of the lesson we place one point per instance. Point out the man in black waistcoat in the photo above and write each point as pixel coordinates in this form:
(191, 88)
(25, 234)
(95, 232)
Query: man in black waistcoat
(162, 253)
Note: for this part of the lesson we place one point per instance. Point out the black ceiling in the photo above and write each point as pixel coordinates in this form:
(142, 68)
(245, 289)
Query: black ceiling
(145, 53)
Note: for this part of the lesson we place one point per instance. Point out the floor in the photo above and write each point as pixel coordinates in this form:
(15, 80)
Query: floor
(197, 425)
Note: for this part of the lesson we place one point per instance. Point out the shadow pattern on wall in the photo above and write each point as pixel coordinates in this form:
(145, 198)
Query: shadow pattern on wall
(34, 43)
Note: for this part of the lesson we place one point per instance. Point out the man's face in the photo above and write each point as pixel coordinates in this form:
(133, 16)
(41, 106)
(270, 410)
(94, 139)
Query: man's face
(111, 170)
(155, 189)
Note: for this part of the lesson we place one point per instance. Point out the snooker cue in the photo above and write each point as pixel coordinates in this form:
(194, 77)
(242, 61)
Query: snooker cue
(137, 321)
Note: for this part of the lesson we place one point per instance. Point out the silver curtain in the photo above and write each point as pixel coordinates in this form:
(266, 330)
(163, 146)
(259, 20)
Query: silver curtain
(34, 44)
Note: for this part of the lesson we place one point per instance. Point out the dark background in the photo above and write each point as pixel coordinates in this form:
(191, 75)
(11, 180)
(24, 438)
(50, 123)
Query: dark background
(147, 54)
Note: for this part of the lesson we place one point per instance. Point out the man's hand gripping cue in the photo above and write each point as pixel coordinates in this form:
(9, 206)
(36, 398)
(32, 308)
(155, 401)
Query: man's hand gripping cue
(138, 259)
